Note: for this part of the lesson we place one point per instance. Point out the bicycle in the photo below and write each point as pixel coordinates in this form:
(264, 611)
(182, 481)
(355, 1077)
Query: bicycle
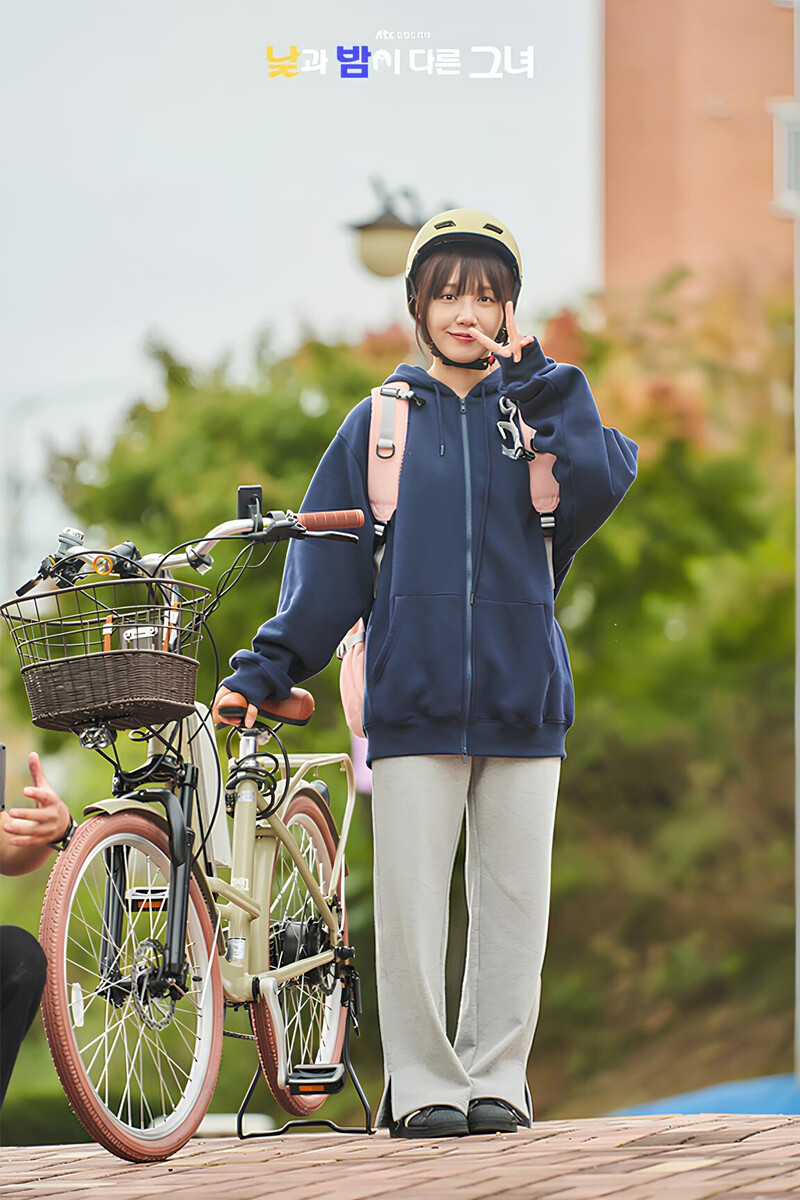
(146, 942)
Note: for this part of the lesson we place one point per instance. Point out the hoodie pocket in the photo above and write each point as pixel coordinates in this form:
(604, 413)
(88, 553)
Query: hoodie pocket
(514, 662)
(419, 669)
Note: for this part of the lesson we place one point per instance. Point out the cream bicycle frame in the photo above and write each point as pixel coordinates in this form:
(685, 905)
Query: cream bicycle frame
(245, 900)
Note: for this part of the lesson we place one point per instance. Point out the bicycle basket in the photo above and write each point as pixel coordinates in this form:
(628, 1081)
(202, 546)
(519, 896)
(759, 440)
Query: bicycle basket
(122, 652)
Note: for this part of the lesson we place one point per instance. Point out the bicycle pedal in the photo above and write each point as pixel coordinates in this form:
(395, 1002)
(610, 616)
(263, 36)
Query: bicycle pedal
(316, 1079)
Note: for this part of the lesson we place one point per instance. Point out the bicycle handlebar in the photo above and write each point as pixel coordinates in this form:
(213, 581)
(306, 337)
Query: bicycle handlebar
(62, 569)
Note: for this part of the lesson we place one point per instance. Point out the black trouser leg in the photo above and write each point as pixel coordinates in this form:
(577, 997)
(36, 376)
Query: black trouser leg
(23, 968)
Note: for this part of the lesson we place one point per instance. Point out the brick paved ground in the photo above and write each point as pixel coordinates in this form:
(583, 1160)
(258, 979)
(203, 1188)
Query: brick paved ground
(638, 1158)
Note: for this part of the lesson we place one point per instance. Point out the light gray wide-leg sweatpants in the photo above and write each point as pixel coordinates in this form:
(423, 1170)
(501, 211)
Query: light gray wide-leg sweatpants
(418, 806)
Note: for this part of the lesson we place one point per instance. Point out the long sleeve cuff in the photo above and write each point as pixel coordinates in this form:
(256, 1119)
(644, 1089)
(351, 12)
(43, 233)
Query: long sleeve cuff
(524, 379)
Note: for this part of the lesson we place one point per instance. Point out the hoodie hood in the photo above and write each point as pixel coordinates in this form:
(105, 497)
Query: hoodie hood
(428, 388)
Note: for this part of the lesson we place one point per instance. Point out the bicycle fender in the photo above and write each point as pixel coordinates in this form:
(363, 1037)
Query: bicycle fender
(312, 786)
(116, 804)
(175, 825)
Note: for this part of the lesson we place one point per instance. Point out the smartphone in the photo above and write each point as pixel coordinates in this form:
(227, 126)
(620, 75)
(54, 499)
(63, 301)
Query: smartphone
(247, 496)
(2, 776)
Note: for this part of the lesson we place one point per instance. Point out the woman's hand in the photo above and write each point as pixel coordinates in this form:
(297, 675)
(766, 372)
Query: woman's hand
(49, 821)
(225, 696)
(516, 342)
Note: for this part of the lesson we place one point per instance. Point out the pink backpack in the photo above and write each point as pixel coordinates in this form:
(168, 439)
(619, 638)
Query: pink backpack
(387, 440)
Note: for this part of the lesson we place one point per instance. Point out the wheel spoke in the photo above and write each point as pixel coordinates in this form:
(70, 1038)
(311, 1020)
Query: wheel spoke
(173, 1066)
(178, 1026)
(130, 1072)
(158, 1059)
(120, 1026)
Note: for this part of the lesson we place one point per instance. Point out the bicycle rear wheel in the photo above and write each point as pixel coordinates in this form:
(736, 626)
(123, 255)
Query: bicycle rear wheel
(138, 1063)
(311, 1005)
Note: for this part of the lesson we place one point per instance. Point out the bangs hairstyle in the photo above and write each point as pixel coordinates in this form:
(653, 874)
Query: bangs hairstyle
(470, 268)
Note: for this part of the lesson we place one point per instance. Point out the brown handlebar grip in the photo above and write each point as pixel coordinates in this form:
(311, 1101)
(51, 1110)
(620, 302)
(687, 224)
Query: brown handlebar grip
(348, 518)
(234, 712)
(296, 709)
(233, 706)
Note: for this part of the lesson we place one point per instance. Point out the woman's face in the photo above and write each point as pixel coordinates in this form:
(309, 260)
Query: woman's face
(452, 315)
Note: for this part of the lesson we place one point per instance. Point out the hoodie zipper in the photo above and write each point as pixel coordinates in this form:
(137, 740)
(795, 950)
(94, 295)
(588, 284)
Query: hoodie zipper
(469, 596)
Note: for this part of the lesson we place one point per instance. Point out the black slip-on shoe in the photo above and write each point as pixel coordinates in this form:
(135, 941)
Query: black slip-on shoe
(437, 1120)
(495, 1116)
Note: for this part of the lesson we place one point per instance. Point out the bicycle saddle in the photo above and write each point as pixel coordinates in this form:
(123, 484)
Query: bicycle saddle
(296, 710)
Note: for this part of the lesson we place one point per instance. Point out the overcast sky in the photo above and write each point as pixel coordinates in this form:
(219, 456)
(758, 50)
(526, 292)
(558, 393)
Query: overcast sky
(159, 182)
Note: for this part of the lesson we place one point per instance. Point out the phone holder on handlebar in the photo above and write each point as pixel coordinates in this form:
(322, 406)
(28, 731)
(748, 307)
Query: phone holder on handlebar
(249, 499)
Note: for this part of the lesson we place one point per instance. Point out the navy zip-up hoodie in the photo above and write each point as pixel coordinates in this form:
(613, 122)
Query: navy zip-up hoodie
(463, 653)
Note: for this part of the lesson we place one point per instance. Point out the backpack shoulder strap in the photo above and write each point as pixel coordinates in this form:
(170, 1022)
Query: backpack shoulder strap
(387, 443)
(545, 492)
(544, 485)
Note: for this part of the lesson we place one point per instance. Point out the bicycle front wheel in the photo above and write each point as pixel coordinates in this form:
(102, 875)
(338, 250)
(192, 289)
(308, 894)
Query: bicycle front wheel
(311, 1004)
(137, 1060)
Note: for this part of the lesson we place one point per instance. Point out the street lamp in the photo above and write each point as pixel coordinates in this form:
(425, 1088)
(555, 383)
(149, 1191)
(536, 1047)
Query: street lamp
(384, 241)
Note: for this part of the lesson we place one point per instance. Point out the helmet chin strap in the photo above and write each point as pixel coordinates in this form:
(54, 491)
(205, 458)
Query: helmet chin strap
(477, 364)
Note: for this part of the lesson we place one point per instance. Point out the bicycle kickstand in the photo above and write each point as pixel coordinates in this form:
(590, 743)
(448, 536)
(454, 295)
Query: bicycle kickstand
(304, 1077)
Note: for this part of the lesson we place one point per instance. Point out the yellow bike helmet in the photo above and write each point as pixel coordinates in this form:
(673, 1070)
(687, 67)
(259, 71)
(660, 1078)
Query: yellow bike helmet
(462, 226)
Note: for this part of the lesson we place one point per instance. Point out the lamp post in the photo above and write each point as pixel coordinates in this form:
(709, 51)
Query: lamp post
(384, 241)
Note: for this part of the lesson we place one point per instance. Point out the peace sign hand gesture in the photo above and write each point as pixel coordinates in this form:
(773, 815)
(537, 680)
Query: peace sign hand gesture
(516, 342)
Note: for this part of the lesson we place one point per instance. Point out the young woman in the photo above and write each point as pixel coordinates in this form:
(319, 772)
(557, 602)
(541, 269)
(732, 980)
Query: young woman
(468, 685)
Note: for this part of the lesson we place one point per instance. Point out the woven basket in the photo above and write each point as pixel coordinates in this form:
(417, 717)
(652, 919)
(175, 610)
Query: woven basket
(120, 653)
(124, 689)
